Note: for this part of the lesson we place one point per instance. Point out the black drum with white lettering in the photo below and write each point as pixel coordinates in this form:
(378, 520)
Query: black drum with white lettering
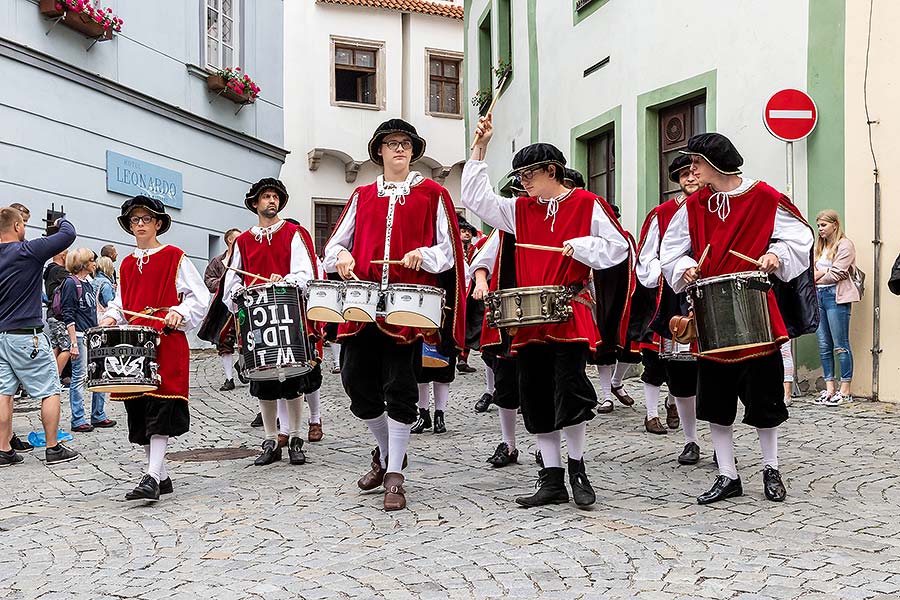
(273, 331)
(122, 358)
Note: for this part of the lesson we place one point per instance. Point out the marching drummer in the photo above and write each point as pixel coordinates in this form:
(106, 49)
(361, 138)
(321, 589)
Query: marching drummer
(400, 229)
(679, 375)
(572, 233)
(159, 280)
(273, 250)
(732, 214)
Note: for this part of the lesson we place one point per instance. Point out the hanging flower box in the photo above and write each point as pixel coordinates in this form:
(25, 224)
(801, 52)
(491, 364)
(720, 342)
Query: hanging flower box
(92, 20)
(233, 84)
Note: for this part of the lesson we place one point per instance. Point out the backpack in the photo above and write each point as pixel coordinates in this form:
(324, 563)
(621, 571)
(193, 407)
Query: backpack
(56, 301)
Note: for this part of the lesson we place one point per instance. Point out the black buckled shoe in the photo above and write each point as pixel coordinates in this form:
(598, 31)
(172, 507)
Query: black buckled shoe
(772, 485)
(439, 425)
(257, 422)
(227, 386)
(464, 367)
(147, 489)
(295, 451)
(271, 453)
(551, 489)
(622, 395)
(165, 486)
(423, 422)
(483, 403)
(723, 488)
(690, 455)
(582, 492)
(503, 456)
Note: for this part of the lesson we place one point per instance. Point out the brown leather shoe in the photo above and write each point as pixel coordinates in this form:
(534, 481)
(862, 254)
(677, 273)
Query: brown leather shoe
(672, 420)
(282, 440)
(315, 432)
(620, 393)
(394, 494)
(605, 407)
(654, 426)
(375, 476)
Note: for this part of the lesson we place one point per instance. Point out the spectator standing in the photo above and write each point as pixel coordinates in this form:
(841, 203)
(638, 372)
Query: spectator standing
(110, 252)
(104, 288)
(15, 443)
(54, 274)
(835, 258)
(215, 270)
(79, 313)
(25, 354)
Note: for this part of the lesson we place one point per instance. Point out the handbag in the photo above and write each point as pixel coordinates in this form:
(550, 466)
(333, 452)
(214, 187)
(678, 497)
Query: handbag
(859, 280)
(683, 329)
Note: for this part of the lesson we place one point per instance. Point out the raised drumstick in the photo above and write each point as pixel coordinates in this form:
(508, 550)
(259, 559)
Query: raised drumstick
(703, 256)
(539, 247)
(490, 108)
(747, 258)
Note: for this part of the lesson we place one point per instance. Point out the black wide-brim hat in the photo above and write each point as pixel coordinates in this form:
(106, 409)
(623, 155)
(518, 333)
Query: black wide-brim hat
(153, 205)
(395, 126)
(266, 183)
(681, 162)
(718, 152)
(537, 155)
(464, 224)
(575, 177)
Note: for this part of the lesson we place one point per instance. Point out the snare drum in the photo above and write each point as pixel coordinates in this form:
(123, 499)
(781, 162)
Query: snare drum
(410, 305)
(122, 358)
(360, 301)
(732, 311)
(536, 305)
(274, 339)
(324, 301)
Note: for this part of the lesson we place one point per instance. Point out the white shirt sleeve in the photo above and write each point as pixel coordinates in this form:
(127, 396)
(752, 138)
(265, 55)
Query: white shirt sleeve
(301, 265)
(675, 249)
(112, 310)
(233, 280)
(478, 196)
(195, 296)
(486, 256)
(342, 238)
(792, 241)
(439, 258)
(605, 247)
(648, 269)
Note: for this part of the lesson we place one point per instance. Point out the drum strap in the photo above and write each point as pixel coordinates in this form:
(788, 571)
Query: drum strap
(578, 290)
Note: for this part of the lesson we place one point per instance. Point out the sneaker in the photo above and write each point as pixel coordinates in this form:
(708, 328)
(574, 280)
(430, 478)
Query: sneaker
(836, 399)
(104, 424)
(83, 428)
(19, 445)
(60, 454)
(823, 397)
(10, 458)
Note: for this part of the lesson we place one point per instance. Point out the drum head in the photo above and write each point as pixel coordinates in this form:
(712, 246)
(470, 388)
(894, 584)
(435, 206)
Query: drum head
(405, 318)
(358, 315)
(325, 315)
(275, 373)
(122, 387)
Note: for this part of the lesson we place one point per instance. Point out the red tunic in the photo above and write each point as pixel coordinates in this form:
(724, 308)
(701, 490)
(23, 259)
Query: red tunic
(413, 228)
(747, 229)
(664, 213)
(154, 287)
(536, 267)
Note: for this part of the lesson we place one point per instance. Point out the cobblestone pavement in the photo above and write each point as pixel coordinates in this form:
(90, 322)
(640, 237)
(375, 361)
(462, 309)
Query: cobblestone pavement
(232, 530)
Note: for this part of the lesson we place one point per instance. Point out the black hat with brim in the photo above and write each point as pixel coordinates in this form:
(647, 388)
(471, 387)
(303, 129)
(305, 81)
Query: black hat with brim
(678, 165)
(392, 126)
(266, 183)
(575, 177)
(154, 206)
(718, 152)
(537, 155)
(464, 224)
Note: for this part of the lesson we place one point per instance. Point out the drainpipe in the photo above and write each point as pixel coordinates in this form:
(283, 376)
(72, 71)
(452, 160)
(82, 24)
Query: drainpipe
(876, 292)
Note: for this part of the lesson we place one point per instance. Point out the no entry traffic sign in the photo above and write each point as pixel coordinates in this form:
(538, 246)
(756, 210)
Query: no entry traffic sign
(790, 115)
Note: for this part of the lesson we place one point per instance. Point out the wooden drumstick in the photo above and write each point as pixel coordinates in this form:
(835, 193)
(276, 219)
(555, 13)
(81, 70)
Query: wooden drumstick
(539, 247)
(703, 256)
(387, 262)
(490, 108)
(142, 315)
(747, 258)
(353, 275)
(266, 279)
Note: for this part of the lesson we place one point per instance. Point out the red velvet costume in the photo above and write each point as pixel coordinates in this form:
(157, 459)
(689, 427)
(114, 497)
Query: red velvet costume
(153, 287)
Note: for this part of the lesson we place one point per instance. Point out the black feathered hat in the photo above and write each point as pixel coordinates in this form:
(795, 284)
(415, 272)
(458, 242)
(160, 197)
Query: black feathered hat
(395, 126)
(537, 155)
(266, 183)
(681, 162)
(718, 152)
(151, 204)
(575, 177)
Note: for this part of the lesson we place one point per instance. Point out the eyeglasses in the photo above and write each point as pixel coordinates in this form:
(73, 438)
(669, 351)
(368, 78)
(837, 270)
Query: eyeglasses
(145, 220)
(528, 174)
(394, 144)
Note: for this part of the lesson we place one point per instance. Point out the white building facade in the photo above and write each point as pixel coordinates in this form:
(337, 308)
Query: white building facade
(351, 65)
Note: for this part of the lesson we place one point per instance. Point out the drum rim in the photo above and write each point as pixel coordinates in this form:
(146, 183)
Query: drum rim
(129, 327)
(362, 284)
(268, 284)
(730, 276)
(324, 283)
(530, 289)
(411, 287)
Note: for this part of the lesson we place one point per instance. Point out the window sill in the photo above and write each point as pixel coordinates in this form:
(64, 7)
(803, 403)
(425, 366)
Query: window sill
(347, 104)
(440, 115)
(198, 71)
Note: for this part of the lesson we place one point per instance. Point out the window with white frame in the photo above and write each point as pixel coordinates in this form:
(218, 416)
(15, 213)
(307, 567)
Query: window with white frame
(444, 83)
(357, 73)
(222, 33)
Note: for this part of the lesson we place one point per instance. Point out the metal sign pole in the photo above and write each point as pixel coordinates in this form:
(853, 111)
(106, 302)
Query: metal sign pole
(789, 192)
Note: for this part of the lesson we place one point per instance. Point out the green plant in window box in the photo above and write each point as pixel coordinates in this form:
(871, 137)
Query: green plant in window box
(482, 99)
(504, 68)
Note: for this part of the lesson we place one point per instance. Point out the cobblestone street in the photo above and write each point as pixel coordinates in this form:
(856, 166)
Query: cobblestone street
(232, 530)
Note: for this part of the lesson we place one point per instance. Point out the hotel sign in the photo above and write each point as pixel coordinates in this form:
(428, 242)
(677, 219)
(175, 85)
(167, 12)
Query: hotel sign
(133, 177)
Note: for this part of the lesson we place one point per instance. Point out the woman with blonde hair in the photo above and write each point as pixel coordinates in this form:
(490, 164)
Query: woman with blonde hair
(79, 313)
(835, 258)
(104, 287)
